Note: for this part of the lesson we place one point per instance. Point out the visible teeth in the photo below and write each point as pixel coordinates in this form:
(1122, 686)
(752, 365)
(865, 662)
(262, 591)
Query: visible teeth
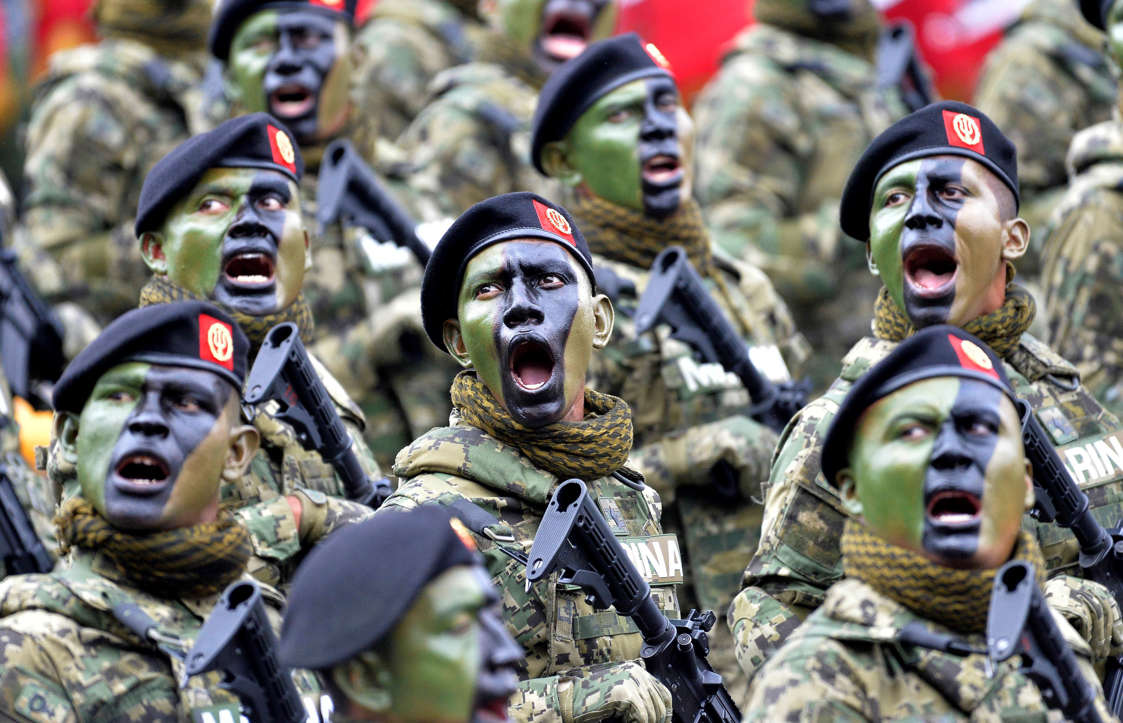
(533, 386)
(252, 278)
(956, 517)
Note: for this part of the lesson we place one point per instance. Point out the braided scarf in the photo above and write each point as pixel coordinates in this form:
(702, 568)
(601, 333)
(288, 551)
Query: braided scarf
(160, 290)
(1001, 329)
(187, 562)
(595, 447)
(957, 599)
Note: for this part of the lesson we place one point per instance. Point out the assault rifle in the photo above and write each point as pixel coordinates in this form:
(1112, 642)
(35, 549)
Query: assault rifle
(1061, 500)
(676, 295)
(30, 335)
(283, 372)
(899, 66)
(575, 539)
(350, 193)
(237, 640)
(1019, 621)
(21, 550)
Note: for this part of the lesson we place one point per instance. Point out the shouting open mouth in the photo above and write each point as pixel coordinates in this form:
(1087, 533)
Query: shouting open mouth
(953, 508)
(142, 474)
(565, 33)
(291, 100)
(662, 170)
(249, 270)
(930, 270)
(531, 364)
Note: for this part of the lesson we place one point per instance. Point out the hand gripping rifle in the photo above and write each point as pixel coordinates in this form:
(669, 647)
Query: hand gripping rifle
(1019, 621)
(237, 640)
(21, 550)
(283, 372)
(1061, 500)
(575, 539)
(350, 193)
(30, 335)
(675, 295)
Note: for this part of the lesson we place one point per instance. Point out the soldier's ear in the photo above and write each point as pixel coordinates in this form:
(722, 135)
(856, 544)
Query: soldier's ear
(65, 430)
(230, 89)
(365, 681)
(454, 342)
(307, 252)
(1015, 238)
(556, 161)
(848, 491)
(152, 249)
(1031, 496)
(604, 317)
(244, 441)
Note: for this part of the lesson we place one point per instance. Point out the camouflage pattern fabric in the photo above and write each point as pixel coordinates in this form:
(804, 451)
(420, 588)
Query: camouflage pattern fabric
(846, 663)
(364, 295)
(472, 141)
(799, 558)
(1083, 270)
(101, 118)
(689, 416)
(403, 46)
(779, 128)
(65, 657)
(560, 632)
(1045, 81)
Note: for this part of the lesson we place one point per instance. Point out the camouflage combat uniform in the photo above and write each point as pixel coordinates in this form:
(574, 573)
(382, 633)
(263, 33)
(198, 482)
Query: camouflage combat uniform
(1046, 80)
(501, 496)
(779, 128)
(846, 663)
(103, 115)
(472, 140)
(65, 656)
(403, 46)
(1083, 271)
(799, 556)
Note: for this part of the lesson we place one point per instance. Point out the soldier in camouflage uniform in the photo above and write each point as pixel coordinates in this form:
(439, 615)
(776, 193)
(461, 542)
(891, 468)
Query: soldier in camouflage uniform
(294, 60)
(936, 197)
(102, 116)
(779, 127)
(420, 616)
(472, 140)
(926, 454)
(220, 219)
(609, 125)
(510, 292)
(1046, 80)
(150, 416)
(1083, 271)
(402, 47)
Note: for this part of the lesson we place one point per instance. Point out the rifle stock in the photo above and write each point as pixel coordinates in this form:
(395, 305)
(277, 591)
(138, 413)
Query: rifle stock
(283, 372)
(237, 640)
(350, 192)
(575, 539)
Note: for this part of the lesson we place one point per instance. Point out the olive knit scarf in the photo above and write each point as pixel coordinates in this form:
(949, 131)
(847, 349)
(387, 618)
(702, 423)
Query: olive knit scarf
(1002, 329)
(595, 447)
(160, 290)
(957, 599)
(187, 562)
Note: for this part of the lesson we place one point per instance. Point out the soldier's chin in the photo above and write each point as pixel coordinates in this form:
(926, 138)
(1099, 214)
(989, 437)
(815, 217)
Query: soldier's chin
(661, 201)
(253, 302)
(952, 548)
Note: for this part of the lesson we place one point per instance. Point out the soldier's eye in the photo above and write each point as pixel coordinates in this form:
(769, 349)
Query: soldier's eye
(667, 102)
(896, 199)
(620, 115)
(186, 403)
(980, 427)
(214, 206)
(488, 291)
(270, 203)
(953, 192)
(914, 430)
(551, 281)
(305, 39)
(264, 44)
(119, 395)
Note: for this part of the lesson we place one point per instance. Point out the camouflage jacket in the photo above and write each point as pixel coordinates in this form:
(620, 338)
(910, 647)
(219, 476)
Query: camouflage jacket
(472, 140)
(100, 120)
(846, 663)
(364, 296)
(799, 558)
(1083, 270)
(1046, 80)
(403, 46)
(65, 656)
(779, 128)
(464, 468)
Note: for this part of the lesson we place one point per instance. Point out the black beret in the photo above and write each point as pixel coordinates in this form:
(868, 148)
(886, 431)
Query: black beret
(355, 585)
(934, 351)
(191, 334)
(232, 13)
(580, 81)
(947, 127)
(257, 140)
(1096, 11)
(500, 218)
